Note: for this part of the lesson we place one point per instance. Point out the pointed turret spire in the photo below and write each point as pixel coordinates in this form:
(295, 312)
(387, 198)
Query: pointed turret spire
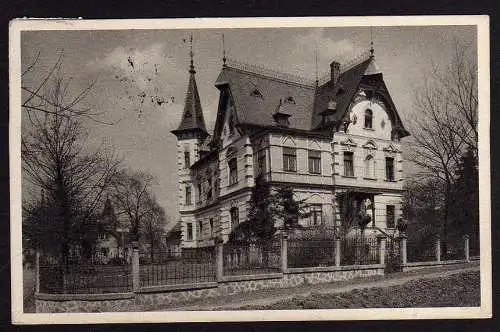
(192, 117)
(224, 59)
(372, 51)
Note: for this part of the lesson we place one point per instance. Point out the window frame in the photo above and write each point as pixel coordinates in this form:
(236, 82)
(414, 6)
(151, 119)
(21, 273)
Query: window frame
(189, 231)
(368, 123)
(313, 217)
(314, 156)
(389, 169)
(370, 167)
(187, 159)
(350, 163)
(234, 215)
(232, 165)
(188, 193)
(261, 161)
(209, 192)
(200, 230)
(289, 159)
(393, 219)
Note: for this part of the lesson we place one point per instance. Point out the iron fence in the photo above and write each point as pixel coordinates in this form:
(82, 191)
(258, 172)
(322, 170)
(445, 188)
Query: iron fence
(310, 253)
(314, 233)
(423, 250)
(99, 273)
(253, 258)
(180, 266)
(359, 249)
(453, 249)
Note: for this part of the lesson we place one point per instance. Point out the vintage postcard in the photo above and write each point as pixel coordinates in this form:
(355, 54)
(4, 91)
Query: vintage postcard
(332, 168)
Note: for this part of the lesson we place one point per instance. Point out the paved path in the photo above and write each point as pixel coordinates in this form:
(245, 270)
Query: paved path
(270, 296)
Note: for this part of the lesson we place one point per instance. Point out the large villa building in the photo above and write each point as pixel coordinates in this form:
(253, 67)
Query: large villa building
(326, 139)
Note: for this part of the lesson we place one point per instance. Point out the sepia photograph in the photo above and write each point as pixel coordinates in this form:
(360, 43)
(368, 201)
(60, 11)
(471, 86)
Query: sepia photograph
(228, 169)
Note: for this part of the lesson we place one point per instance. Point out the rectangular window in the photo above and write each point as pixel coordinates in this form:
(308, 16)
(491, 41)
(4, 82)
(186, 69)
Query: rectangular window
(189, 231)
(211, 227)
(200, 229)
(289, 160)
(390, 216)
(348, 164)
(316, 215)
(235, 218)
(315, 162)
(261, 161)
(187, 159)
(209, 188)
(200, 191)
(233, 171)
(389, 168)
(188, 195)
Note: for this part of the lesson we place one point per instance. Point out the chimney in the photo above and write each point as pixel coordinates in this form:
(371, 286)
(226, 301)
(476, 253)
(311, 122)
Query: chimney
(334, 71)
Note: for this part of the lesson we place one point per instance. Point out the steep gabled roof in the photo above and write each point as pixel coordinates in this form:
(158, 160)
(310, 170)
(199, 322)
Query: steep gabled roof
(257, 96)
(341, 92)
(192, 117)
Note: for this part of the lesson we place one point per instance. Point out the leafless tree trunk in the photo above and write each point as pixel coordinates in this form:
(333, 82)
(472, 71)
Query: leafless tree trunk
(54, 161)
(36, 101)
(445, 124)
(131, 192)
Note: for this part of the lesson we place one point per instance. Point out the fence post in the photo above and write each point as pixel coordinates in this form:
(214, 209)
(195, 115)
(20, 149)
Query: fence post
(438, 248)
(466, 247)
(136, 281)
(284, 252)
(219, 258)
(337, 250)
(381, 242)
(402, 248)
(37, 272)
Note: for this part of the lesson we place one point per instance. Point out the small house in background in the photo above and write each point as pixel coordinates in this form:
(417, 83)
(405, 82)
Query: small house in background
(112, 238)
(173, 240)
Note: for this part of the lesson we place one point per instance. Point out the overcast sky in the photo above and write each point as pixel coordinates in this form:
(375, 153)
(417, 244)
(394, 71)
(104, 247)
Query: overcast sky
(142, 75)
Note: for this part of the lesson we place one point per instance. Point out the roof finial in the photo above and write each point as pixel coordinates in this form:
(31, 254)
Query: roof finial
(316, 62)
(223, 52)
(371, 42)
(191, 54)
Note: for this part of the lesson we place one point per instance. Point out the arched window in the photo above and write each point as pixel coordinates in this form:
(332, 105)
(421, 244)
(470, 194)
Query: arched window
(368, 118)
(235, 218)
(370, 167)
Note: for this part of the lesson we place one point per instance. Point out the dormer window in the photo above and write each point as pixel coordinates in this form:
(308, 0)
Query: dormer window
(256, 93)
(282, 114)
(368, 119)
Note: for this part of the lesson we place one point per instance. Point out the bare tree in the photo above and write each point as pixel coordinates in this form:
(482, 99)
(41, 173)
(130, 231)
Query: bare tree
(459, 87)
(35, 99)
(55, 162)
(131, 193)
(445, 124)
(152, 227)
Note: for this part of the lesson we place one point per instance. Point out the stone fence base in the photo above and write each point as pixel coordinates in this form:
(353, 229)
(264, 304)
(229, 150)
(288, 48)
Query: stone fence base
(164, 295)
(422, 265)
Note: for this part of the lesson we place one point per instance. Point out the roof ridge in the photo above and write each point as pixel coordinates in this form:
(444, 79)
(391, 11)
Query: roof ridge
(270, 73)
(346, 66)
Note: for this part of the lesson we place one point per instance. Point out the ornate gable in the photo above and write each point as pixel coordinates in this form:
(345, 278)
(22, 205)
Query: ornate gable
(370, 145)
(348, 142)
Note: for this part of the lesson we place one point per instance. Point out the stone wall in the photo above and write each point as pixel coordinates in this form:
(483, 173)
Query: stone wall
(164, 295)
(411, 266)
